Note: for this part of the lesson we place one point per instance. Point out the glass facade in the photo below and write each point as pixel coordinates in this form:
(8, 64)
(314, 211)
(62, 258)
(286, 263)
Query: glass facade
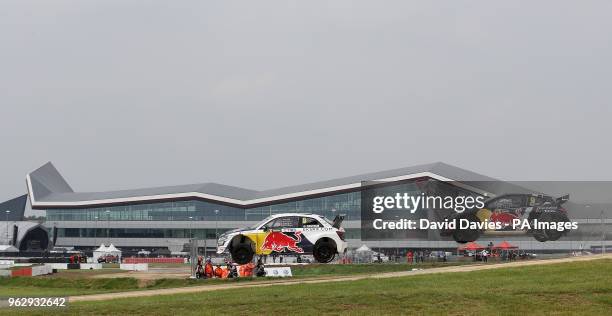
(166, 211)
(345, 203)
(138, 232)
(354, 233)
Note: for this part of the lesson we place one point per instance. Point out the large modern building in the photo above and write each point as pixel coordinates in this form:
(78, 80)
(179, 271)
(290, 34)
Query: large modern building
(16, 232)
(166, 216)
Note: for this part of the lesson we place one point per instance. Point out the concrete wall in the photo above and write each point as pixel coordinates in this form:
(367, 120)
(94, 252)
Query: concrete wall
(134, 266)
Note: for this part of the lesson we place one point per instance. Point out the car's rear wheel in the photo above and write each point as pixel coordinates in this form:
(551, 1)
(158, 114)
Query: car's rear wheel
(552, 234)
(463, 236)
(324, 251)
(540, 236)
(466, 235)
(242, 251)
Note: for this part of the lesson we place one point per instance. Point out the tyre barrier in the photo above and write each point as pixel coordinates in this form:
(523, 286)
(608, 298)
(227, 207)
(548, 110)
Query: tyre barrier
(74, 266)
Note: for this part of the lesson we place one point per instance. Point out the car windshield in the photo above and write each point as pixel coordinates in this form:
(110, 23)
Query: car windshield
(263, 221)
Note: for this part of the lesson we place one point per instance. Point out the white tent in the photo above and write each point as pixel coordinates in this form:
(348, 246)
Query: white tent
(102, 248)
(105, 251)
(363, 248)
(113, 250)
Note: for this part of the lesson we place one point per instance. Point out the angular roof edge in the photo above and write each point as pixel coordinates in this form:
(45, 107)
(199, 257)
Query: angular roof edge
(48, 189)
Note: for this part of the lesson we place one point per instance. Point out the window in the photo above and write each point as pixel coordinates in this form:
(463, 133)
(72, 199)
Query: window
(506, 202)
(284, 222)
(309, 222)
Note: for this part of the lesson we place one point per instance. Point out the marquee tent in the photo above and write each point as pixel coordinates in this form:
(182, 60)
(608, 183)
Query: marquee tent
(472, 246)
(363, 249)
(505, 246)
(103, 251)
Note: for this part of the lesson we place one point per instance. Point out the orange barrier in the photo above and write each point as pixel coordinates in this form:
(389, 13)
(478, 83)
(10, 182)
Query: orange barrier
(21, 272)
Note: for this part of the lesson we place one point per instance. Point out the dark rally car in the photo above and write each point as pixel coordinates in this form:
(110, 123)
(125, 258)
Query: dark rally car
(506, 208)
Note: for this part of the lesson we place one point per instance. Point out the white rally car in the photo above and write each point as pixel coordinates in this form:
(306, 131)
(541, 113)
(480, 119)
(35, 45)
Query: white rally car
(290, 233)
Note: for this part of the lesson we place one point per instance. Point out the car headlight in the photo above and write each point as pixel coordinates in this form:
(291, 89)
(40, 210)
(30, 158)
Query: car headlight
(222, 240)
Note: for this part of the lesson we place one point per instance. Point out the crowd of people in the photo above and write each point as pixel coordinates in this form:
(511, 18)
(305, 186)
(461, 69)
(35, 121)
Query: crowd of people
(206, 269)
(417, 256)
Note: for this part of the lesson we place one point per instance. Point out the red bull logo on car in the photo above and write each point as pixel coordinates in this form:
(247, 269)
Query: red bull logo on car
(279, 241)
(503, 217)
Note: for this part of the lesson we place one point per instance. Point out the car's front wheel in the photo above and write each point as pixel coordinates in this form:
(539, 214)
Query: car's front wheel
(324, 251)
(242, 251)
(554, 217)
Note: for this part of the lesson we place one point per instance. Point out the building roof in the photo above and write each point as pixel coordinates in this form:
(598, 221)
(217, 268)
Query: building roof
(16, 208)
(48, 189)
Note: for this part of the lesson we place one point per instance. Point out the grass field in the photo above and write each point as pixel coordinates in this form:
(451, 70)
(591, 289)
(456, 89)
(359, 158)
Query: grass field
(81, 282)
(568, 288)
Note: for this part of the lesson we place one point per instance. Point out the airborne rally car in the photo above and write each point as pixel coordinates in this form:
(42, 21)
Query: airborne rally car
(506, 209)
(289, 233)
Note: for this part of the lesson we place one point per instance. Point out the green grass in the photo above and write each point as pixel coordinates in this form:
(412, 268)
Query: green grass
(169, 265)
(80, 282)
(28, 286)
(569, 288)
(350, 269)
(58, 286)
(77, 274)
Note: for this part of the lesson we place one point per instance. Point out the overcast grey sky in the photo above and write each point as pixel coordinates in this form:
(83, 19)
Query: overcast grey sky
(262, 94)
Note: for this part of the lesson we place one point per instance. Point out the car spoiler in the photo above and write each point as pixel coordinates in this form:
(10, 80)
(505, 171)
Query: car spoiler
(338, 221)
(562, 199)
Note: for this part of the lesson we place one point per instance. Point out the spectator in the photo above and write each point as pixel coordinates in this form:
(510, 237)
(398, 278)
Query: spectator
(218, 272)
(484, 255)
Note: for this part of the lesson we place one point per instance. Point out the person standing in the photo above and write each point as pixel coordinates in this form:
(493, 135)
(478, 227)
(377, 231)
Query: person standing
(410, 256)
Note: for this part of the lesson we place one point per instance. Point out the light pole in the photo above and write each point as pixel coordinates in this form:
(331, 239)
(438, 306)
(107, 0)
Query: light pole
(108, 226)
(96, 231)
(216, 227)
(603, 234)
(190, 233)
(8, 241)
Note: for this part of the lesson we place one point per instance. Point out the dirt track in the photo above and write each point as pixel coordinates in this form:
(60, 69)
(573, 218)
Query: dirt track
(204, 288)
